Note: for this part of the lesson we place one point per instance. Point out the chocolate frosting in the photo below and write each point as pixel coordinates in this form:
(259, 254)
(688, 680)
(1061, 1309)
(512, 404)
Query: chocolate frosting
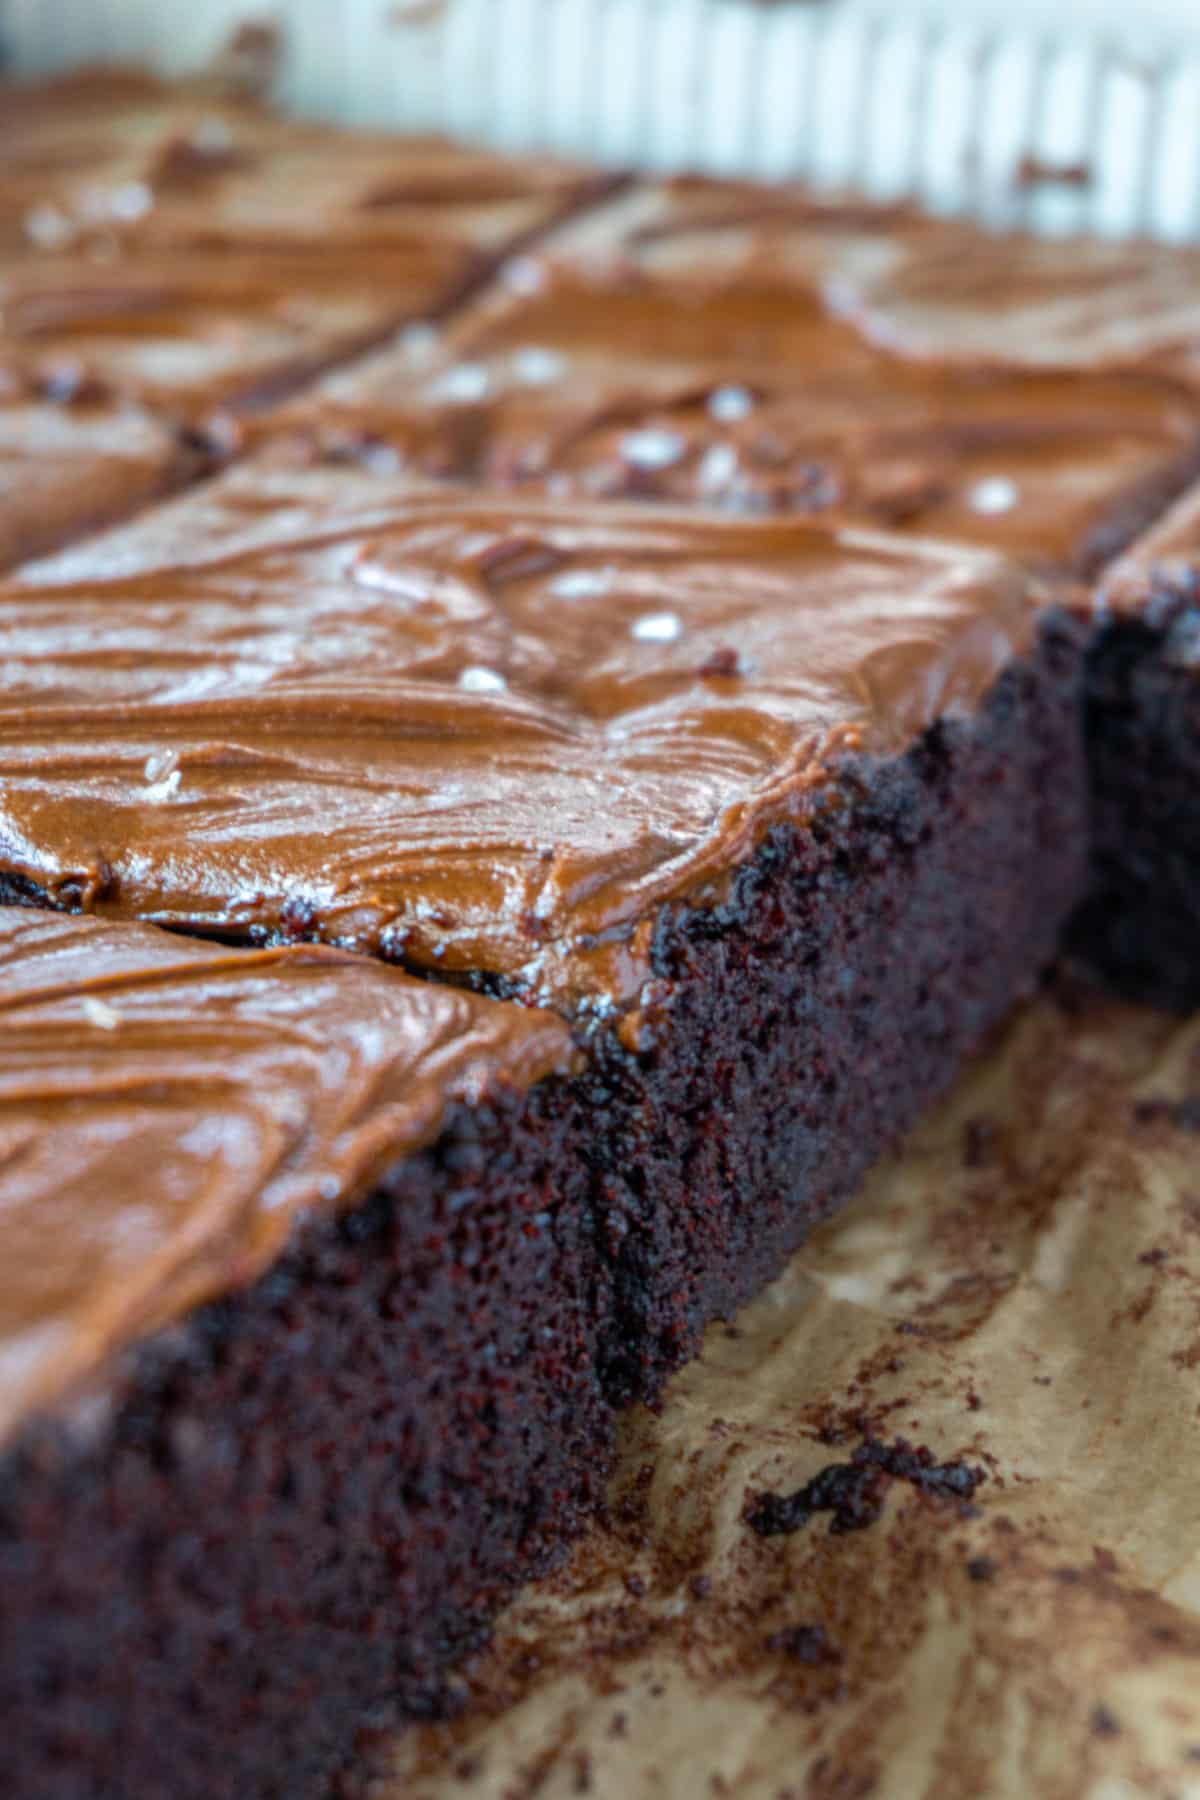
(1025, 302)
(194, 252)
(253, 505)
(67, 469)
(122, 158)
(1041, 465)
(471, 736)
(739, 388)
(76, 135)
(1158, 573)
(170, 1109)
(191, 332)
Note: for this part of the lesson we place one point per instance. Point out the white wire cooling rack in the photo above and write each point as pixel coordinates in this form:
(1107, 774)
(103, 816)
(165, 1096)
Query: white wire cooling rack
(1062, 127)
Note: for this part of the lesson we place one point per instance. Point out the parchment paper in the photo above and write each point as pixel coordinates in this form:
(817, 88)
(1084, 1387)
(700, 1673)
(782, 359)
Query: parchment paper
(1019, 1287)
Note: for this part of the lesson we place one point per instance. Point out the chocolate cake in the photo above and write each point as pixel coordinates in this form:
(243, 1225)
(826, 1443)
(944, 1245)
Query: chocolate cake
(297, 1351)
(702, 846)
(1140, 923)
(749, 381)
(188, 254)
(70, 139)
(733, 798)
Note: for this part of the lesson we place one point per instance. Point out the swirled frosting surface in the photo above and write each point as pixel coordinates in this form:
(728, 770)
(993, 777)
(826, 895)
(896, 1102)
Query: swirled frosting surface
(66, 469)
(470, 735)
(1030, 302)
(193, 252)
(771, 359)
(169, 1109)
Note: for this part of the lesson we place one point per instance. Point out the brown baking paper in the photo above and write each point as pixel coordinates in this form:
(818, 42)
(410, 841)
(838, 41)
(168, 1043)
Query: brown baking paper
(1020, 1289)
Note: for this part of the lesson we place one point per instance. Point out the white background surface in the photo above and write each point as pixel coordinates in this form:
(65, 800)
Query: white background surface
(943, 102)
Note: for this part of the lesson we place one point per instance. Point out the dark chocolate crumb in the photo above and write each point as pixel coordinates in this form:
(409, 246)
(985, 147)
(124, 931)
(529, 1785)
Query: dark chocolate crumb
(415, 12)
(635, 1585)
(807, 1643)
(854, 1492)
(981, 1568)
(724, 663)
(979, 1142)
(297, 918)
(701, 1586)
(189, 161)
(1105, 1723)
(1183, 1114)
(1036, 171)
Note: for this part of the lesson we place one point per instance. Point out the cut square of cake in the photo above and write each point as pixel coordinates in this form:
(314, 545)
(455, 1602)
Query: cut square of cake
(297, 1336)
(192, 252)
(768, 364)
(779, 816)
